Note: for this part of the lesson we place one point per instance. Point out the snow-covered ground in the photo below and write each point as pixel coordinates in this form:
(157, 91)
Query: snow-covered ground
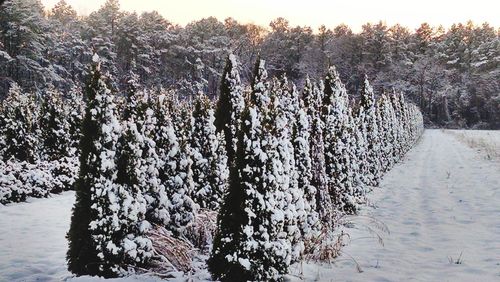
(32, 239)
(443, 200)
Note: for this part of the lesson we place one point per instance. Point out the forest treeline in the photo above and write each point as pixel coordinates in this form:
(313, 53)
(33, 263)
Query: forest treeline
(452, 74)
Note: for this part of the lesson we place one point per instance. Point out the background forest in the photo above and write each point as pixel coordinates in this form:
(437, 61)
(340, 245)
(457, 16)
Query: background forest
(453, 74)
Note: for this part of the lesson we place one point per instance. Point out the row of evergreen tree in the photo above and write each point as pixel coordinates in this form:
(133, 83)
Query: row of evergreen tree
(38, 143)
(157, 161)
(298, 161)
(280, 166)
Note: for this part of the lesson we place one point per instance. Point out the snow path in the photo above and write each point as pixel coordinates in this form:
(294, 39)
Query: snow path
(442, 200)
(32, 239)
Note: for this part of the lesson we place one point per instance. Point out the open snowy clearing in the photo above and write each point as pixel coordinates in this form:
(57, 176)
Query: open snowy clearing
(443, 200)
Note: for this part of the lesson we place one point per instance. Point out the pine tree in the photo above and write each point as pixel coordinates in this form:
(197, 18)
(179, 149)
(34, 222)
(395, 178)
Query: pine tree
(137, 161)
(384, 125)
(398, 128)
(260, 86)
(107, 222)
(280, 120)
(154, 189)
(209, 169)
(167, 150)
(230, 105)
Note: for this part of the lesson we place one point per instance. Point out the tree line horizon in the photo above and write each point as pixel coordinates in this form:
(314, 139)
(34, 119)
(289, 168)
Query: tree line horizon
(450, 73)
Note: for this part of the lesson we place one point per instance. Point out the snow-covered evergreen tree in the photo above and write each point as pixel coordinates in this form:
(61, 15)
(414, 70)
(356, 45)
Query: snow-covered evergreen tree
(260, 86)
(281, 163)
(312, 98)
(180, 185)
(310, 227)
(137, 161)
(337, 138)
(167, 150)
(210, 171)
(154, 189)
(107, 221)
(384, 120)
(248, 245)
(367, 118)
(74, 108)
(19, 126)
(230, 105)
(54, 127)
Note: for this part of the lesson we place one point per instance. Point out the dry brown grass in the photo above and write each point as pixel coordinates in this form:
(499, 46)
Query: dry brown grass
(325, 247)
(173, 254)
(486, 144)
(202, 231)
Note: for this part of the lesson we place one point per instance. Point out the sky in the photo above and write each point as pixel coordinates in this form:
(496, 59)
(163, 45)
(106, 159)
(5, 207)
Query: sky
(312, 13)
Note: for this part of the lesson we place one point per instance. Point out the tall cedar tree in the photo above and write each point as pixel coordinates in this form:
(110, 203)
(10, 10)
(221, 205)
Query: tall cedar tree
(246, 245)
(368, 124)
(209, 162)
(82, 253)
(312, 97)
(337, 139)
(180, 185)
(19, 126)
(281, 118)
(54, 127)
(74, 111)
(303, 164)
(97, 227)
(230, 105)
(224, 262)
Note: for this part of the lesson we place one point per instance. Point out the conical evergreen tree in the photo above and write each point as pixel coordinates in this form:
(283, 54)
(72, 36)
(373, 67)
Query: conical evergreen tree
(54, 127)
(209, 170)
(154, 189)
(104, 235)
(137, 161)
(180, 185)
(337, 138)
(384, 126)
(19, 126)
(367, 119)
(74, 110)
(312, 100)
(311, 226)
(260, 87)
(280, 120)
(398, 127)
(230, 105)
(247, 245)
(167, 150)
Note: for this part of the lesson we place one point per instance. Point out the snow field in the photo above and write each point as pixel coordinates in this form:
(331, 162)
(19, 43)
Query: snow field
(441, 207)
(32, 239)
